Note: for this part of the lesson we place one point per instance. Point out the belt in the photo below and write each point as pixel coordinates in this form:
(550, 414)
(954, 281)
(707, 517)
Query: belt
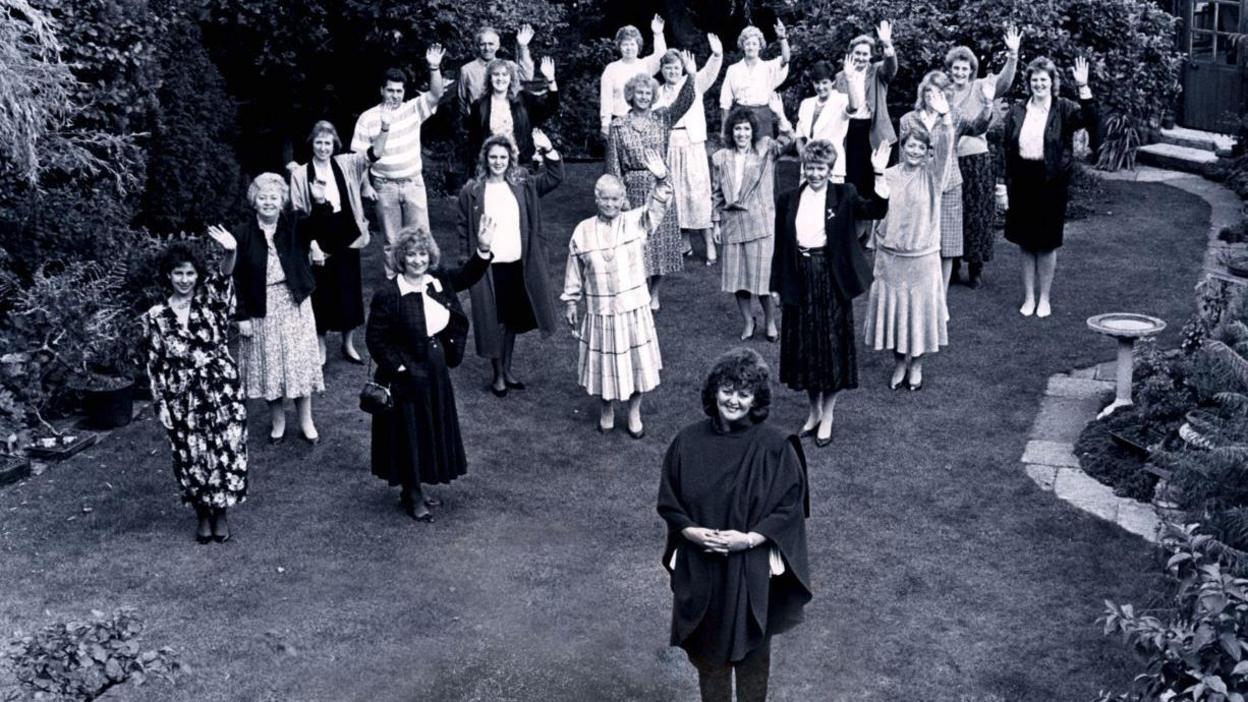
(399, 181)
(675, 129)
(752, 107)
(811, 252)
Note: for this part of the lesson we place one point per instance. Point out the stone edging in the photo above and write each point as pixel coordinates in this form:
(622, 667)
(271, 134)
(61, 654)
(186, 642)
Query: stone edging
(1071, 400)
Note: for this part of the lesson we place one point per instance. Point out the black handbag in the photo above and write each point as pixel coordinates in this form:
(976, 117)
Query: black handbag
(375, 398)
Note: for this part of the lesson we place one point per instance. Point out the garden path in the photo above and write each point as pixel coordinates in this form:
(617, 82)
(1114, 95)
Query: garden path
(941, 572)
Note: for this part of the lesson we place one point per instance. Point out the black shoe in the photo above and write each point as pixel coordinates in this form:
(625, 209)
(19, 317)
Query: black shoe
(802, 434)
(312, 440)
(513, 384)
(822, 443)
(916, 388)
(604, 430)
(972, 282)
(203, 539)
(221, 539)
(275, 440)
(497, 392)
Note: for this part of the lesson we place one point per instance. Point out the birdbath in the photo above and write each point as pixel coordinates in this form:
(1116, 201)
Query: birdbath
(1125, 327)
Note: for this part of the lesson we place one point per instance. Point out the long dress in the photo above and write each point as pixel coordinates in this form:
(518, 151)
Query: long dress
(629, 139)
(198, 398)
(281, 358)
(618, 352)
(753, 479)
(906, 308)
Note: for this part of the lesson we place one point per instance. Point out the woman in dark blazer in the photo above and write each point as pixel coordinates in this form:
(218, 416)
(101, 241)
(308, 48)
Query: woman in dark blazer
(516, 297)
(279, 357)
(1039, 158)
(524, 109)
(818, 268)
(416, 332)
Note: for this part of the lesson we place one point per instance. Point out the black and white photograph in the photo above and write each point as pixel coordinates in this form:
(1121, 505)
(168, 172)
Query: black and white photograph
(623, 351)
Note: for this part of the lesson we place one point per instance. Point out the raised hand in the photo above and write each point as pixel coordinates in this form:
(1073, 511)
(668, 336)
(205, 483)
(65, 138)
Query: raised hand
(485, 234)
(689, 62)
(548, 69)
(541, 142)
(879, 157)
(525, 35)
(717, 46)
(938, 101)
(385, 119)
(1013, 39)
(654, 164)
(292, 167)
(223, 237)
(781, 32)
(433, 55)
(885, 32)
(848, 66)
(657, 24)
(1080, 71)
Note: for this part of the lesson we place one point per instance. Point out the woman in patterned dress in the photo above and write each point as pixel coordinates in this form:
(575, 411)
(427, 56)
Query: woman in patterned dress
(646, 128)
(280, 356)
(745, 214)
(922, 119)
(974, 160)
(619, 349)
(195, 385)
(686, 152)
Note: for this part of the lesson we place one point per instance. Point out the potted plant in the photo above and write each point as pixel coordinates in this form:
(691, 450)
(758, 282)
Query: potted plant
(76, 318)
(1236, 263)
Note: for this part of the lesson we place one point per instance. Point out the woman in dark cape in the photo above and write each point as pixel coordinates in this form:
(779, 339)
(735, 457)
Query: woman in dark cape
(734, 496)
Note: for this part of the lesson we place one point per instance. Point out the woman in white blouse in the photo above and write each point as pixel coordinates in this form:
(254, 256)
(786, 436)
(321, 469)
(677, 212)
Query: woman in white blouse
(611, 90)
(752, 82)
(416, 332)
(826, 115)
(1039, 158)
(686, 151)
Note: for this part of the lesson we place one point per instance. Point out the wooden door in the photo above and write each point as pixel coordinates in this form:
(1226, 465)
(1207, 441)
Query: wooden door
(1213, 76)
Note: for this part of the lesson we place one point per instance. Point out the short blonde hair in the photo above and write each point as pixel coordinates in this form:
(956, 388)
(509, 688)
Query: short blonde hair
(630, 88)
(962, 53)
(325, 128)
(268, 181)
(408, 240)
(751, 32)
(606, 181)
(627, 32)
(819, 151)
(934, 79)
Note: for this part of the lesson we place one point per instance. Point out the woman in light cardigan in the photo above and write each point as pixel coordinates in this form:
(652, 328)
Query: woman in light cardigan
(826, 115)
(906, 308)
(326, 191)
(686, 151)
(628, 41)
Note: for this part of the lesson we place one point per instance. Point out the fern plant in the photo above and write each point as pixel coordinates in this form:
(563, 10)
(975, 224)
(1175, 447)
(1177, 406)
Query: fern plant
(1122, 141)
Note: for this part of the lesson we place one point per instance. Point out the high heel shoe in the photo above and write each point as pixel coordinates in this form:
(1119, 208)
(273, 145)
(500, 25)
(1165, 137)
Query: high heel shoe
(352, 356)
(275, 440)
(640, 433)
(823, 443)
(312, 440)
(748, 333)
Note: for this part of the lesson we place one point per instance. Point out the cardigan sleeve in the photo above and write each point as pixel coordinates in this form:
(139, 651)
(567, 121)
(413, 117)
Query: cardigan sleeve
(380, 332)
(463, 277)
(549, 176)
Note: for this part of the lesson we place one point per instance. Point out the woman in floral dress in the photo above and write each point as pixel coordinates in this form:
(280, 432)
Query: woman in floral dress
(647, 128)
(195, 384)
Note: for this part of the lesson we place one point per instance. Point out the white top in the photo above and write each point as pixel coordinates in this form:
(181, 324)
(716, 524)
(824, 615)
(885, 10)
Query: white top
(325, 174)
(402, 157)
(500, 204)
(500, 116)
(693, 121)
(1031, 135)
(738, 173)
(831, 123)
(616, 74)
(752, 85)
(436, 316)
(810, 223)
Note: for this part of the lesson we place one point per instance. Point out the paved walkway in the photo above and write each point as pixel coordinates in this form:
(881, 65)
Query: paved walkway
(1073, 399)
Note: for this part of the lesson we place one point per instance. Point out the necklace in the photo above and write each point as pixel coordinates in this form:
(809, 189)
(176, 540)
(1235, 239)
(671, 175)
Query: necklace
(608, 243)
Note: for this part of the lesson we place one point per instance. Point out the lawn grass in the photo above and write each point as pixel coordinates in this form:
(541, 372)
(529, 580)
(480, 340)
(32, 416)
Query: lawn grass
(941, 572)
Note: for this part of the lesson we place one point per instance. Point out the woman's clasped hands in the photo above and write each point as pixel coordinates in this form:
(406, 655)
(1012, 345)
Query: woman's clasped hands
(723, 541)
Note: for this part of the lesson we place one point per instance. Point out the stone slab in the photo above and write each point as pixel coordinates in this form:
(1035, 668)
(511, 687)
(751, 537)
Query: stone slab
(1079, 489)
(1062, 419)
(1198, 139)
(1077, 388)
(1050, 453)
(1107, 372)
(1178, 158)
(1139, 519)
(1044, 476)
(1088, 373)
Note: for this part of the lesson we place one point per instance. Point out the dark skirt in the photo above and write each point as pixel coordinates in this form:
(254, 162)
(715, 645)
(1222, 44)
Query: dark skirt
(1037, 213)
(419, 440)
(511, 299)
(979, 207)
(817, 338)
(338, 298)
(858, 168)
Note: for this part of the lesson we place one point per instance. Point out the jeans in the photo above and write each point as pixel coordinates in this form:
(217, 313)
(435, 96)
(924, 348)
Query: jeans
(399, 205)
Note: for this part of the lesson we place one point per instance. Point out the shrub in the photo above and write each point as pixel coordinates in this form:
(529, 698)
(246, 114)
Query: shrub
(82, 660)
(1194, 649)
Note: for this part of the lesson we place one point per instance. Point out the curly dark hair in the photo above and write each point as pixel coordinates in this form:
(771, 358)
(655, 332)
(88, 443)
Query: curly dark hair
(739, 368)
(176, 254)
(741, 115)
